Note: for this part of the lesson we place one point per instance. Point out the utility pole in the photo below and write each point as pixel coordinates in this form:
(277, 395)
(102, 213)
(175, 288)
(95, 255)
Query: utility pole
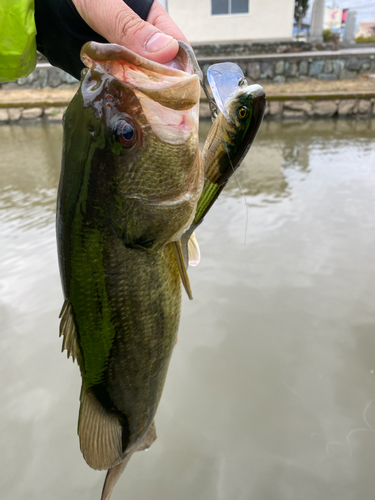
(317, 17)
(299, 18)
(349, 33)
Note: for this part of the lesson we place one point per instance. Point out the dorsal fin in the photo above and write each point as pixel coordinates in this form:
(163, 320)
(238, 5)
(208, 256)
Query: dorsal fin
(68, 330)
(100, 433)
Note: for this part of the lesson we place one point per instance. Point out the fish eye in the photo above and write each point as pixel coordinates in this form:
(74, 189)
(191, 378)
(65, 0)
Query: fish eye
(243, 112)
(127, 133)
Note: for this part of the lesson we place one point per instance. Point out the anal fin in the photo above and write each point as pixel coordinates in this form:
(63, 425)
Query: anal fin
(147, 439)
(114, 473)
(100, 433)
(68, 330)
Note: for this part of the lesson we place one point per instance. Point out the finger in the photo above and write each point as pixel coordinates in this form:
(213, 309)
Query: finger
(161, 20)
(116, 22)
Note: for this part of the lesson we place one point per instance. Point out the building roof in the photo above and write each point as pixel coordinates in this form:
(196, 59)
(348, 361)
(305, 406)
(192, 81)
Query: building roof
(368, 26)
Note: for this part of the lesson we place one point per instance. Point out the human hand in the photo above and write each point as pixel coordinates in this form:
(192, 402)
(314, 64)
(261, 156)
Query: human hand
(155, 39)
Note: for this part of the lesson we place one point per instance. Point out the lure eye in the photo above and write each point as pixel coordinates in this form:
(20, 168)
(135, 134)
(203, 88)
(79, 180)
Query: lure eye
(243, 112)
(127, 133)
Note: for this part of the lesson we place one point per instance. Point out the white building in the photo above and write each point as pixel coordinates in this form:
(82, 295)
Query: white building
(365, 30)
(233, 20)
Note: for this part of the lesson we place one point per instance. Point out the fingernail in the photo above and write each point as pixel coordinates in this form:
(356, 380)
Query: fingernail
(158, 41)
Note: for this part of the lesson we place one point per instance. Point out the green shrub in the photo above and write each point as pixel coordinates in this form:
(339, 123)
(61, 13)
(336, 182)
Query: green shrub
(363, 39)
(327, 35)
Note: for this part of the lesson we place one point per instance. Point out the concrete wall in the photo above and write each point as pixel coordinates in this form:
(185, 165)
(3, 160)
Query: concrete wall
(266, 20)
(283, 68)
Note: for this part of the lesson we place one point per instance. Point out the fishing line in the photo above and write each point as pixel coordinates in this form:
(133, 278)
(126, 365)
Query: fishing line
(247, 210)
(262, 292)
(244, 197)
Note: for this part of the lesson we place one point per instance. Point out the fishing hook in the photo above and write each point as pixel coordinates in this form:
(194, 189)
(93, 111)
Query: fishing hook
(211, 102)
(199, 72)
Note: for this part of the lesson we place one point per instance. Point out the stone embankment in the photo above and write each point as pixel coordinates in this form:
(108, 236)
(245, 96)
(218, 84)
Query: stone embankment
(346, 64)
(34, 104)
(12, 115)
(318, 105)
(321, 106)
(287, 107)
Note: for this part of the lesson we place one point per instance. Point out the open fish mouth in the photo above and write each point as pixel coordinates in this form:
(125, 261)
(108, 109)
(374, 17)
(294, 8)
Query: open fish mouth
(169, 95)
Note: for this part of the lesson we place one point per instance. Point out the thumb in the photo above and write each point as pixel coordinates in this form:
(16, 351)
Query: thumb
(118, 23)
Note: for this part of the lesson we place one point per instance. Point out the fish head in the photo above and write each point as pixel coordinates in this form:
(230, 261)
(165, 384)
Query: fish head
(234, 131)
(137, 121)
(245, 110)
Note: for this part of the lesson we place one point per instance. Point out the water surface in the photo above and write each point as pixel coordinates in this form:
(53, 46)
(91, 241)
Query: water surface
(271, 389)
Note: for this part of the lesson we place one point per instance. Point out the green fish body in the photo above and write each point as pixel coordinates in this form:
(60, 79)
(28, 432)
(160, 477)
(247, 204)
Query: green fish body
(131, 178)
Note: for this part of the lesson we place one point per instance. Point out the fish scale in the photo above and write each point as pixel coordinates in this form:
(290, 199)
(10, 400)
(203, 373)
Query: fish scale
(162, 181)
(145, 341)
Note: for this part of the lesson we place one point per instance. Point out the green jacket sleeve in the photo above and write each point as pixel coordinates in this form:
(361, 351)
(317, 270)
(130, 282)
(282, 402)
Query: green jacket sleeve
(17, 39)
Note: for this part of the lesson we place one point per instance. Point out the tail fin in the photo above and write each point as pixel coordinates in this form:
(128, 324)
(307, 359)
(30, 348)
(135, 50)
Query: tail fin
(114, 473)
(113, 476)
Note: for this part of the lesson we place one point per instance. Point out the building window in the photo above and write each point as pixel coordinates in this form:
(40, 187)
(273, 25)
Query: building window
(229, 7)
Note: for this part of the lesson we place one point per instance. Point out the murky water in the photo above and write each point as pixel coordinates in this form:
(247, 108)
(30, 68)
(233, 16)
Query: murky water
(271, 389)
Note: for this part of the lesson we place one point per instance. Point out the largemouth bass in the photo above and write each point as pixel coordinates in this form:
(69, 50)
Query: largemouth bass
(131, 181)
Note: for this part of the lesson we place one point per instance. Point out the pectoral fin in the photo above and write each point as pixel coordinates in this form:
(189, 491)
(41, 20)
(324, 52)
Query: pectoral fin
(190, 249)
(193, 251)
(68, 331)
(182, 268)
(100, 433)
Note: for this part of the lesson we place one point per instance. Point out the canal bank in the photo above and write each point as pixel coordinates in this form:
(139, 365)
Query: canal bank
(359, 104)
(289, 102)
